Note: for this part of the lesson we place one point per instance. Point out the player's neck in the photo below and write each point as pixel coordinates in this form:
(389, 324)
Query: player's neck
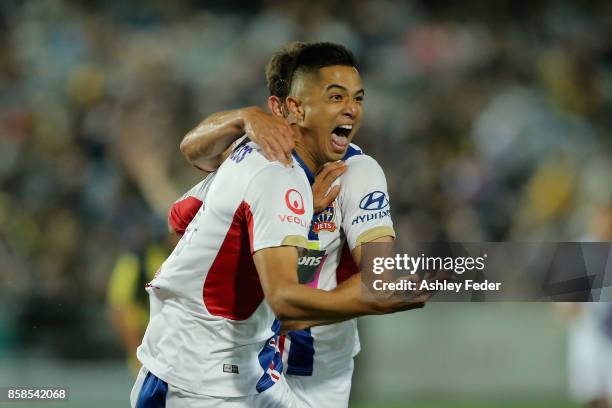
(307, 150)
(307, 158)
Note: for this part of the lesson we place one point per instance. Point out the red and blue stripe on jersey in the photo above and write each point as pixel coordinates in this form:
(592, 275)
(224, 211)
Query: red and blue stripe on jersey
(271, 361)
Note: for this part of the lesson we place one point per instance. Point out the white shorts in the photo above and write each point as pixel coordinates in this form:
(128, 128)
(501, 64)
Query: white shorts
(325, 389)
(151, 392)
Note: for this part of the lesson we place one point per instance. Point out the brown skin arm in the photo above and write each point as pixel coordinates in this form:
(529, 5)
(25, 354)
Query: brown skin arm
(206, 145)
(357, 251)
(418, 299)
(294, 325)
(353, 286)
(291, 301)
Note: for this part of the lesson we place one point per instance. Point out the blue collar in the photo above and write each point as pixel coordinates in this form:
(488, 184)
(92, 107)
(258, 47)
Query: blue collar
(350, 152)
(304, 167)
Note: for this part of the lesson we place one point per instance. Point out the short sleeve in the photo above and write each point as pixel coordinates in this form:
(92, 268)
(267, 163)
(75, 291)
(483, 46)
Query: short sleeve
(185, 208)
(279, 202)
(364, 202)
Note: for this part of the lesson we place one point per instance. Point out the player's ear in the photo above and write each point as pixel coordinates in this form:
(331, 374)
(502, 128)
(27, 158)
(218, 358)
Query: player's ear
(276, 106)
(295, 108)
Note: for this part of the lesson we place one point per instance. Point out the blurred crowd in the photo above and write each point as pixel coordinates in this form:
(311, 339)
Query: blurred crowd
(491, 120)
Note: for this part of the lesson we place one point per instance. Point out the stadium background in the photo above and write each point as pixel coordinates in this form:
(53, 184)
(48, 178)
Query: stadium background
(490, 119)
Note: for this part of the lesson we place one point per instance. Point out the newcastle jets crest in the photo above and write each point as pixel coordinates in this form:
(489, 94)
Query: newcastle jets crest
(325, 220)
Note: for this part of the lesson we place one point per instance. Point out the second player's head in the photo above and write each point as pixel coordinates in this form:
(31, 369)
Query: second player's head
(319, 87)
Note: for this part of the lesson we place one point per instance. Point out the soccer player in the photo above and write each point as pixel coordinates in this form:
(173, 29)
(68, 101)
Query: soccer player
(318, 361)
(212, 340)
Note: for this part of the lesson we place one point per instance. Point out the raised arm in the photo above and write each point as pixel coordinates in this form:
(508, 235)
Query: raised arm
(206, 146)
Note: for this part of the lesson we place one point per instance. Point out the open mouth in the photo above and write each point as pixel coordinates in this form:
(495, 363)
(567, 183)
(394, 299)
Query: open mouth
(340, 137)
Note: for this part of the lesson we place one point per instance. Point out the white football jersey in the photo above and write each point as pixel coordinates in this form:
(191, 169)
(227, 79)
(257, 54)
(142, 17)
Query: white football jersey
(360, 213)
(210, 330)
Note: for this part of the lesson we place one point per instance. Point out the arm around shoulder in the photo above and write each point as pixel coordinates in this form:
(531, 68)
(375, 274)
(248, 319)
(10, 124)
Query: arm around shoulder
(204, 146)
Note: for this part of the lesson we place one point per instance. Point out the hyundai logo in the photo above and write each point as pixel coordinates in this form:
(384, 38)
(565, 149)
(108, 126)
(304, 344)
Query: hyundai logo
(376, 200)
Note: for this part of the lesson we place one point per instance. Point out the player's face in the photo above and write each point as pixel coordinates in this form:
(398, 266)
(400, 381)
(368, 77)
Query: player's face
(331, 110)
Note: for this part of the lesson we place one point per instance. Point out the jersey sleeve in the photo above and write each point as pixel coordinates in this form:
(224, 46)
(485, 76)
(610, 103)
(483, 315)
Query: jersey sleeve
(280, 205)
(185, 208)
(364, 202)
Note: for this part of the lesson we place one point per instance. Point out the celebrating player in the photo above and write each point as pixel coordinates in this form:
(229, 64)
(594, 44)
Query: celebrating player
(318, 360)
(212, 340)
